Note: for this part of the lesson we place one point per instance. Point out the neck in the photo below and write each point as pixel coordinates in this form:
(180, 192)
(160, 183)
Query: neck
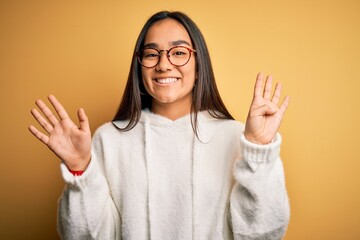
(171, 111)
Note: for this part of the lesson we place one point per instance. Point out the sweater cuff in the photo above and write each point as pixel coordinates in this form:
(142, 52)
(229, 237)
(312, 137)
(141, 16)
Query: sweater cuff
(256, 153)
(90, 175)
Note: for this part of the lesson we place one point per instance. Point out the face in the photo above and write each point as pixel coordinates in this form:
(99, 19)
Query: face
(169, 86)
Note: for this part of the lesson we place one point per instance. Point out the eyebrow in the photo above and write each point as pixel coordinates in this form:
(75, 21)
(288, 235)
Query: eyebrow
(173, 43)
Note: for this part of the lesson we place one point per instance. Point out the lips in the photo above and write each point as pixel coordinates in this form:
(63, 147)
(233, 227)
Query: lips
(166, 80)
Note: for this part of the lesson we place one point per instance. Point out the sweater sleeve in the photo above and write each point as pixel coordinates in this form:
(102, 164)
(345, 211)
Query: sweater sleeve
(86, 209)
(259, 207)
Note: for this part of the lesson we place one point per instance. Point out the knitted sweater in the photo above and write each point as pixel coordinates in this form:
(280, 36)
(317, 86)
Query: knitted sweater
(160, 181)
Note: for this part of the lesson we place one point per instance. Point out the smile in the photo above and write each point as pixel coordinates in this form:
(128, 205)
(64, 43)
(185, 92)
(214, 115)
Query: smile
(166, 80)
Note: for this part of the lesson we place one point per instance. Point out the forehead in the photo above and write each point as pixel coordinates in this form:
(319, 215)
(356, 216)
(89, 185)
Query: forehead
(166, 32)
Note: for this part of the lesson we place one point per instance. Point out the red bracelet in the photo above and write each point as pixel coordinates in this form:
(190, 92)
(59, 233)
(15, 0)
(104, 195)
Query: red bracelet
(76, 173)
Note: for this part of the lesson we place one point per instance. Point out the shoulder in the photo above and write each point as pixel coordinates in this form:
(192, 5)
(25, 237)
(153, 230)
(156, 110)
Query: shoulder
(210, 127)
(112, 127)
(208, 120)
(116, 128)
(107, 128)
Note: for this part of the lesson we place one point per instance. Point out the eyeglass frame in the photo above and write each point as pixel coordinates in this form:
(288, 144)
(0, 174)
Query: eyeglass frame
(138, 53)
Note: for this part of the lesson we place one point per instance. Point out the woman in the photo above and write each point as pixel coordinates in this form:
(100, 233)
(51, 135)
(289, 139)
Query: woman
(173, 164)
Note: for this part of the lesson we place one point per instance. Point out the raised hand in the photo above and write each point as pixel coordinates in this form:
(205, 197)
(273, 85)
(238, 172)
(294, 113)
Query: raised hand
(72, 144)
(265, 115)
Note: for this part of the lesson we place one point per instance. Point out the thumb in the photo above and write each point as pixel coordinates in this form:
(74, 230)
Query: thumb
(264, 110)
(83, 119)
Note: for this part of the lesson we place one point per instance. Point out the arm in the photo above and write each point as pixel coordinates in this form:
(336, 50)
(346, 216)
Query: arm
(86, 209)
(259, 207)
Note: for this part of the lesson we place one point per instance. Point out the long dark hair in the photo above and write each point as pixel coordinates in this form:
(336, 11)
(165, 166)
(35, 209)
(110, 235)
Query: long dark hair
(205, 93)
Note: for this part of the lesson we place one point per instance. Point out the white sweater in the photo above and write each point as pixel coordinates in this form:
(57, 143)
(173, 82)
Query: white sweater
(159, 181)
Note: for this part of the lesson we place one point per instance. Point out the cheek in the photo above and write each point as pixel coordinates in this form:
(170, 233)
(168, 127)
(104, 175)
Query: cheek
(191, 72)
(143, 74)
(145, 78)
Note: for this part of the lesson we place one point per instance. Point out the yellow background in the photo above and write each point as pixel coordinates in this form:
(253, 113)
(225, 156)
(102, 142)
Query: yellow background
(81, 50)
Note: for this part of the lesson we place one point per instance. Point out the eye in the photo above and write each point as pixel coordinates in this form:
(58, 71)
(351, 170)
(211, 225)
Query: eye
(179, 53)
(150, 53)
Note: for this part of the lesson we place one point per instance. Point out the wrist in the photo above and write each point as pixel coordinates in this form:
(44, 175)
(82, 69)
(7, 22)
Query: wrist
(78, 169)
(252, 139)
(257, 141)
(260, 140)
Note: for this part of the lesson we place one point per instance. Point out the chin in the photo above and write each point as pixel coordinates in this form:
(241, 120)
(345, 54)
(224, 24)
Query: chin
(165, 100)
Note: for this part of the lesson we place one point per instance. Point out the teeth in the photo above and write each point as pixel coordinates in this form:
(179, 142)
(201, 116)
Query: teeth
(166, 80)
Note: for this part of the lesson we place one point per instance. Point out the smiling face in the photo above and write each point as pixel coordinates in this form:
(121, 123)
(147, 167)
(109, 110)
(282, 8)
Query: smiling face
(170, 86)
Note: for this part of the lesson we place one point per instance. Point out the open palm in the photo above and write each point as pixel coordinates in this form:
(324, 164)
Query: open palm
(265, 115)
(72, 144)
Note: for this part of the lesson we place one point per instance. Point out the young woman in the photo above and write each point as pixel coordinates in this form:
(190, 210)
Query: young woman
(173, 164)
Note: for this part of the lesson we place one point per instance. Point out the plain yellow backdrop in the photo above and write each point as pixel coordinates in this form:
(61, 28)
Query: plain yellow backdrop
(81, 50)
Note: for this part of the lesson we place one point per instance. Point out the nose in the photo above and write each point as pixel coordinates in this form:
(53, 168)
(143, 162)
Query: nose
(164, 63)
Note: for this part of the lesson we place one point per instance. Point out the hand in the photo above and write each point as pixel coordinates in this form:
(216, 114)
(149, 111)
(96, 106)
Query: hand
(265, 116)
(69, 142)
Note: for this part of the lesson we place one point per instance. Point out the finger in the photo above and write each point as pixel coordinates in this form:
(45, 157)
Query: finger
(267, 89)
(47, 112)
(263, 111)
(41, 120)
(58, 107)
(277, 93)
(84, 121)
(258, 90)
(284, 104)
(39, 135)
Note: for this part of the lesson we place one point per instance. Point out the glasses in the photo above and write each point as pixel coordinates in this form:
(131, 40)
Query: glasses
(177, 56)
